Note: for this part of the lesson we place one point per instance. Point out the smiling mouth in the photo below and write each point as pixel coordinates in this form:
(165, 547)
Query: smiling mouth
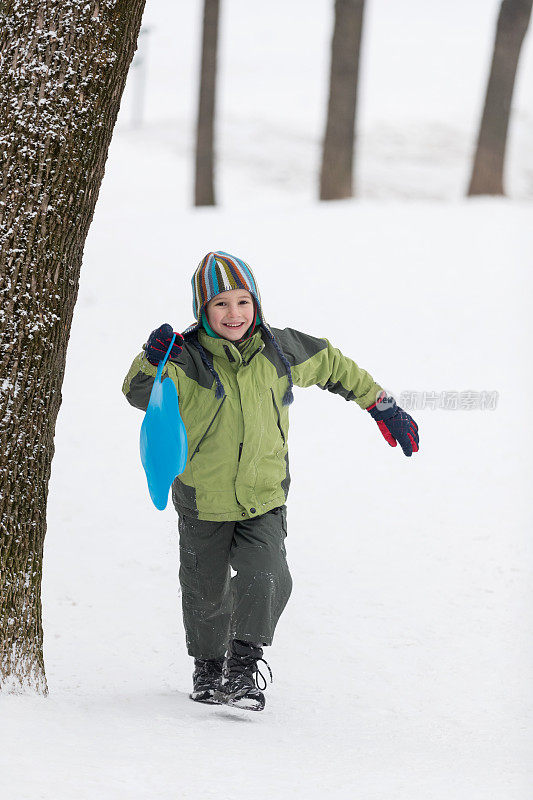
(234, 325)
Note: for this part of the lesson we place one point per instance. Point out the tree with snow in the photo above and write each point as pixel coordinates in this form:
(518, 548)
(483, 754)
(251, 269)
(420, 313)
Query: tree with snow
(336, 175)
(204, 185)
(487, 170)
(63, 66)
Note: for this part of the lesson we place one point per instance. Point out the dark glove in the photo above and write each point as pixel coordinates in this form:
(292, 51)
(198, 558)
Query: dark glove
(395, 424)
(158, 342)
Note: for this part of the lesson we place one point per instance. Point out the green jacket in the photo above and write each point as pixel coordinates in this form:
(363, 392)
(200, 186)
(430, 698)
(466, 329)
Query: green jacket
(238, 464)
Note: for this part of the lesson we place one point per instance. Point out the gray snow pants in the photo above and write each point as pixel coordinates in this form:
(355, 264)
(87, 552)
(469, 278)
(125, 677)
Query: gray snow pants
(247, 606)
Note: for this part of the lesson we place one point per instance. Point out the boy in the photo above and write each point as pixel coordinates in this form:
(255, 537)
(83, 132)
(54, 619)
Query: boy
(234, 375)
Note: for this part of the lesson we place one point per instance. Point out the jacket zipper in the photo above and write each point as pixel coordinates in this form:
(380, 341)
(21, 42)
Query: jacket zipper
(208, 428)
(240, 451)
(278, 416)
(245, 363)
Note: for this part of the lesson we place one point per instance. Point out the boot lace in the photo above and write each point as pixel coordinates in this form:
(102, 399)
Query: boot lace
(248, 667)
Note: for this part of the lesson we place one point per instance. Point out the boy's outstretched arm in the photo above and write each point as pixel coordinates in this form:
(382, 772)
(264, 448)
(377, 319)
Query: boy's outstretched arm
(138, 382)
(315, 361)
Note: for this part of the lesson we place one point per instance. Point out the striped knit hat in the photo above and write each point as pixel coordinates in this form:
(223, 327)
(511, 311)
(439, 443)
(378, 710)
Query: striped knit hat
(219, 272)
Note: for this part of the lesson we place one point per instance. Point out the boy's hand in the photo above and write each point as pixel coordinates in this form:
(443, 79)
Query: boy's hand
(395, 424)
(158, 342)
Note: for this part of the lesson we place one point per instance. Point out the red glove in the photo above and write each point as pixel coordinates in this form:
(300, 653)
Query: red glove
(395, 424)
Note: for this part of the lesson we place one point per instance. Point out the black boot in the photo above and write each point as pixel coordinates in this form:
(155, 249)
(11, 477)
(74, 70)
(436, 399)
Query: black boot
(206, 679)
(239, 686)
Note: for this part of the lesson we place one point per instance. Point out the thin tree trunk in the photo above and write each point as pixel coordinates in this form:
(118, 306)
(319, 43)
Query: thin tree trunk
(63, 65)
(487, 171)
(204, 189)
(336, 175)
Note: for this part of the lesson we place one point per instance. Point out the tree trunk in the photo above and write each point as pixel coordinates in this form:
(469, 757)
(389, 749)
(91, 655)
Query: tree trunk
(487, 171)
(204, 190)
(336, 176)
(63, 65)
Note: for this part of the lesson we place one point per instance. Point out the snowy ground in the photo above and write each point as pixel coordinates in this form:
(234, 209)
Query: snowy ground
(403, 663)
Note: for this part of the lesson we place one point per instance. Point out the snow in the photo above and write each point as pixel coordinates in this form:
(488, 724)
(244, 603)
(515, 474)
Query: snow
(403, 662)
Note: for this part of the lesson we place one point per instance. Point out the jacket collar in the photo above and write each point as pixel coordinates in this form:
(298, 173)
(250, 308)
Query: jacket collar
(229, 351)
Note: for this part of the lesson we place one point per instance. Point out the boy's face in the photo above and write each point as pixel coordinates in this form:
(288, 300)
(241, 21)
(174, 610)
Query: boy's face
(231, 313)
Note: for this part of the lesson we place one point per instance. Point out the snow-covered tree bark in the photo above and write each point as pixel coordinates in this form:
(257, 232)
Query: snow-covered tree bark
(204, 184)
(336, 175)
(487, 170)
(63, 65)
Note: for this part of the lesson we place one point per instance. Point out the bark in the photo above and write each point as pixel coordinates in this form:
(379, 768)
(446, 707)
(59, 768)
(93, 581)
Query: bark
(336, 175)
(204, 188)
(488, 167)
(63, 65)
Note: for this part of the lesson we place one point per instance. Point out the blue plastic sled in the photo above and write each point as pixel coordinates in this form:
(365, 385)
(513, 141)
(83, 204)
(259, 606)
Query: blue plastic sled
(163, 438)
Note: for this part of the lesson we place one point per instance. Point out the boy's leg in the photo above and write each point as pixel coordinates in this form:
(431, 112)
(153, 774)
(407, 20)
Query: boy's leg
(262, 584)
(205, 585)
